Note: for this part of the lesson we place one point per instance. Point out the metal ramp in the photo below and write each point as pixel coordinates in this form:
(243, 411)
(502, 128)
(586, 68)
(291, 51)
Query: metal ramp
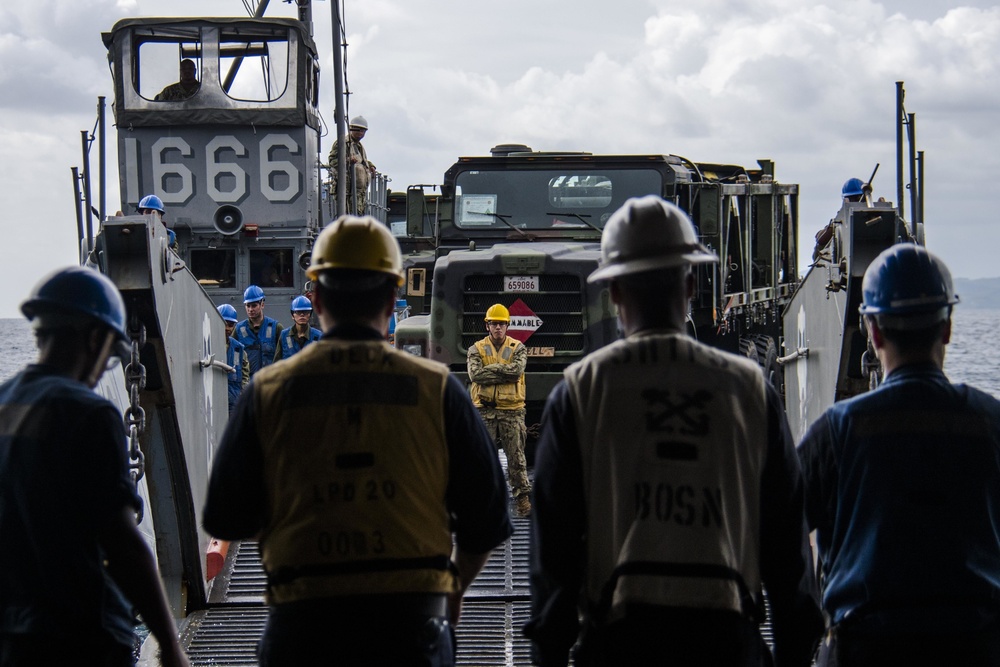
(493, 612)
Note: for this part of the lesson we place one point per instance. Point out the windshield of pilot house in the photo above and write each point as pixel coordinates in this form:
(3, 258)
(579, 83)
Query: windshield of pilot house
(250, 68)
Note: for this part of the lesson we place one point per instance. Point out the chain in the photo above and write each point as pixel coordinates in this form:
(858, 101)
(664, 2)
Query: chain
(871, 367)
(135, 416)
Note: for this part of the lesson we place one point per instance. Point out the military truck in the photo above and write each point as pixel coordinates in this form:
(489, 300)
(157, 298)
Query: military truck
(523, 228)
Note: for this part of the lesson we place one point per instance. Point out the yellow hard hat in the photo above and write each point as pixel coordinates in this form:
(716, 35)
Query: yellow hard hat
(350, 242)
(497, 313)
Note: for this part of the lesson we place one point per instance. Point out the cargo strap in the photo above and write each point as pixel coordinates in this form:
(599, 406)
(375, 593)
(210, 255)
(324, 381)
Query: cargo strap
(286, 575)
(751, 608)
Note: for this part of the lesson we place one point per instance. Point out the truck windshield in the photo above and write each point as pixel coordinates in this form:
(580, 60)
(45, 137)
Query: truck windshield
(576, 198)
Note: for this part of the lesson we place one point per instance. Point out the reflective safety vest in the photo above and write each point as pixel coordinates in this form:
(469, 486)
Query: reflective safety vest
(290, 342)
(509, 396)
(260, 345)
(234, 358)
(356, 467)
(673, 438)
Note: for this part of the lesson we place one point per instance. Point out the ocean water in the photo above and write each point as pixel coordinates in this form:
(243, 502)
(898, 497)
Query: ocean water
(973, 357)
(21, 348)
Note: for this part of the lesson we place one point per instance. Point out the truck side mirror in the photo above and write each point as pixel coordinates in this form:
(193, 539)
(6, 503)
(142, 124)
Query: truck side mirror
(414, 212)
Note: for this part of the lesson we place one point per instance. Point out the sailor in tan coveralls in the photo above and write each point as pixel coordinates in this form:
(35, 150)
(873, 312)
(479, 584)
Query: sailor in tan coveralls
(496, 367)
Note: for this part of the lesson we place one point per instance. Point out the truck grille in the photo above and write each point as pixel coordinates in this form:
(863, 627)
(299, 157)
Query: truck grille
(558, 303)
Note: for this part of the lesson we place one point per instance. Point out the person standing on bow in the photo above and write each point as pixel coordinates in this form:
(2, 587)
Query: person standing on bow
(496, 367)
(667, 491)
(72, 560)
(366, 473)
(236, 356)
(258, 334)
(903, 488)
(359, 169)
(300, 333)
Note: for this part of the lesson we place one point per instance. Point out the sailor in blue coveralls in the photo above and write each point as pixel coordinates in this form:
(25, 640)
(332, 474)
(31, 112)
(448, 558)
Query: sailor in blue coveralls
(151, 204)
(903, 488)
(300, 333)
(365, 473)
(258, 333)
(74, 568)
(236, 357)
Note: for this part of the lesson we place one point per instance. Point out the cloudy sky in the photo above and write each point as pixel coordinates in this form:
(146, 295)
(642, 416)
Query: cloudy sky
(808, 84)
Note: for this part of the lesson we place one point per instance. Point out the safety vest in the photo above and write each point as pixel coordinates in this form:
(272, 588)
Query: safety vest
(673, 439)
(290, 342)
(356, 467)
(234, 358)
(260, 344)
(506, 396)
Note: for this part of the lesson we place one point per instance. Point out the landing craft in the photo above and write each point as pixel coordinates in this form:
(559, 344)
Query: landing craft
(239, 166)
(827, 356)
(236, 164)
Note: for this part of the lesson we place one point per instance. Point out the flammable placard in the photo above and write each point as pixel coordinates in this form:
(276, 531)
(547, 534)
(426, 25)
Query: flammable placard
(523, 321)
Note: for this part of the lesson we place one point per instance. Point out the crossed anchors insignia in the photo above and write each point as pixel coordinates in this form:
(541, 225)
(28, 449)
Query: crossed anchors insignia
(684, 416)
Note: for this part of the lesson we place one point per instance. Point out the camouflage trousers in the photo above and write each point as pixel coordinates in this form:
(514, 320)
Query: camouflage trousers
(509, 433)
(358, 207)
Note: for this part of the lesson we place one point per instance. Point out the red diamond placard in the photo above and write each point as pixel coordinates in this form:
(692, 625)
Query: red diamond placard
(523, 321)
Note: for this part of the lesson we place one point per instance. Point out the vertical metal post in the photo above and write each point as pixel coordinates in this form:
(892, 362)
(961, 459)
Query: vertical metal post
(900, 121)
(911, 134)
(305, 14)
(338, 110)
(920, 191)
(76, 204)
(101, 161)
(86, 188)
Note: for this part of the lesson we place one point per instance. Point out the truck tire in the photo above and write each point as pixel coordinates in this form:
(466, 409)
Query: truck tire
(767, 357)
(748, 349)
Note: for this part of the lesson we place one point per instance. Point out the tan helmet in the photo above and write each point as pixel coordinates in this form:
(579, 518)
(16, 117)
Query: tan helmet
(497, 313)
(350, 242)
(646, 234)
(359, 121)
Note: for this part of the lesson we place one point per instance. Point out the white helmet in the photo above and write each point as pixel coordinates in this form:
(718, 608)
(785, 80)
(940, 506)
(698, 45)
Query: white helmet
(646, 234)
(359, 121)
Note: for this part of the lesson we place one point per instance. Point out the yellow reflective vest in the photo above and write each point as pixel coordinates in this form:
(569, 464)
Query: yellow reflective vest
(356, 467)
(507, 396)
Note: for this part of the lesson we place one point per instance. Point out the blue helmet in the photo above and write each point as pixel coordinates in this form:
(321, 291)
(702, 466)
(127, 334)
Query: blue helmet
(301, 303)
(852, 188)
(152, 202)
(80, 291)
(253, 293)
(907, 287)
(228, 313)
